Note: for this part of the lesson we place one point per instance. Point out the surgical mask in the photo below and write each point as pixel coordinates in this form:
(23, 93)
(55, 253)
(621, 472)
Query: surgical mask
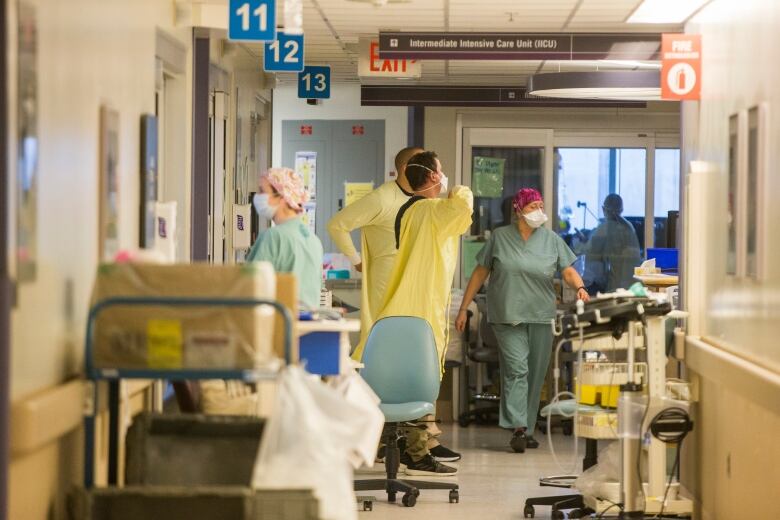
(263, 207)
(536, 218)
(444, 181)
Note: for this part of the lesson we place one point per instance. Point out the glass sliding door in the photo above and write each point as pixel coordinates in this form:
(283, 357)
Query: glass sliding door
(667, 196)
(601, 211)
(497, 174)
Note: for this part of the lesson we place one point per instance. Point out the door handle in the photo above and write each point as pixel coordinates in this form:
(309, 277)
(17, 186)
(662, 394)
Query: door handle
(341, 204)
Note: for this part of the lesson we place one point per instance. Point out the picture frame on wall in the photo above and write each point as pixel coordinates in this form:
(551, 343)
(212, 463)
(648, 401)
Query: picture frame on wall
(108, 197)
(27, 146)
(149, 183)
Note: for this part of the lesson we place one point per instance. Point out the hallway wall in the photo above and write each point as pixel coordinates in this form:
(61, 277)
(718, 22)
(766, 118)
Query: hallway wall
(733, 458)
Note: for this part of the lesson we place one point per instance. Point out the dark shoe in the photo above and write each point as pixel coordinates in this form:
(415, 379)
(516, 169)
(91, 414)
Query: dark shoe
(427, 467)
(444, 454)
(531, 443)
(519, 442)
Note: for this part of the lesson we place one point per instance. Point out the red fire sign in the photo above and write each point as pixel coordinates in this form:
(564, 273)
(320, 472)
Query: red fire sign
(681, 67)
(306, 130)
(358, 130)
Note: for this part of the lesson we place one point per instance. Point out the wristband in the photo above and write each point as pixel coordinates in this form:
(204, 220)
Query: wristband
(581, 288)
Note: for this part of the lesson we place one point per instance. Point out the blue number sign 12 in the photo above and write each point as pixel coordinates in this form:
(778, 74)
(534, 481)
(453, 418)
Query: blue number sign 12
(252, 20)
(314, 83)
(284, 54)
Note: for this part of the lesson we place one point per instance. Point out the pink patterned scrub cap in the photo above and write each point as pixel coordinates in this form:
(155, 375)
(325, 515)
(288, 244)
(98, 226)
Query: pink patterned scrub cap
(289, 185)
(524, 197)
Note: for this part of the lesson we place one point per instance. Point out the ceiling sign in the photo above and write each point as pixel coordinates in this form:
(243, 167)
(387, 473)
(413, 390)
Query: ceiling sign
(519, 46)
(370, 65)
(457, 96)
(681, 67)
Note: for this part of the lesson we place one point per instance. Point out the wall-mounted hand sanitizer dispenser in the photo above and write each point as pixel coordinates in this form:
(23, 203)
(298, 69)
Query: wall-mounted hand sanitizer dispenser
(242, 224)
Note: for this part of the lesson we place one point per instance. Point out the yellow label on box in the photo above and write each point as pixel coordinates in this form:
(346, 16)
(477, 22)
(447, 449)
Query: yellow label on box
(164, 343)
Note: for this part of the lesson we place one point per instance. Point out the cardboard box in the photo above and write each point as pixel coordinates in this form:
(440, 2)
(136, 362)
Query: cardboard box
(175, 337)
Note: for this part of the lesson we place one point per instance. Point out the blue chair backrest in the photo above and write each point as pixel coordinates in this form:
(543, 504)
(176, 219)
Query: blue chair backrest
(401, 361)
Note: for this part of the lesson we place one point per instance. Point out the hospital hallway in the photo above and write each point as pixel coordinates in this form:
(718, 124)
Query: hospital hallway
(494, 482)
(250, 247)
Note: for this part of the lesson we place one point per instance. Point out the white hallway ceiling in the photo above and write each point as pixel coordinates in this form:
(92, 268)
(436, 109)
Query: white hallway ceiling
(333, 27)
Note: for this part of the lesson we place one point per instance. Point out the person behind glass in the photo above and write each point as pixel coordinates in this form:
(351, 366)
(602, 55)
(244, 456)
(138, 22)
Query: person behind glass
(521, 260)
(613, 250)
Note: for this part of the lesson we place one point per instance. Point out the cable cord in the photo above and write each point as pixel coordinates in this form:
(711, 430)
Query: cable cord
(674, 437)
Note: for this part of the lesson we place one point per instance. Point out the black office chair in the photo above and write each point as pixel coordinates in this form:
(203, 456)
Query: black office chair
(482, 352)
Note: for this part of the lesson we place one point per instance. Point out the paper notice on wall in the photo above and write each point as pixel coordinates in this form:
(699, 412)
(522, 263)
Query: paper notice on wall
(356, 190)
(309, 216)
(488, 175)
(306, 167)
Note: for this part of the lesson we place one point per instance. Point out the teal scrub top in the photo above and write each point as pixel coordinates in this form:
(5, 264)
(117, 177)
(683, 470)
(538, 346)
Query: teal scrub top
(291, 247)
(520, 289)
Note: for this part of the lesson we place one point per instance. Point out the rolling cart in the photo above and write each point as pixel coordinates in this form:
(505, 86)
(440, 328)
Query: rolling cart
(114, 375)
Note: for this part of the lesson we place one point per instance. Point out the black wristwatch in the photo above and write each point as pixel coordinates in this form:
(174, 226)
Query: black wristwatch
(581, 288)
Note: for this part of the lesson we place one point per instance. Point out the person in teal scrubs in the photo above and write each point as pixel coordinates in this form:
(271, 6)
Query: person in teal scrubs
(521, 260)
(290, 246)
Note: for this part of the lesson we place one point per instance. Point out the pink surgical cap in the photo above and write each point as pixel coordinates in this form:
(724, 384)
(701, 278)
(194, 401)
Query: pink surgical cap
(524, 197)
(289, 185)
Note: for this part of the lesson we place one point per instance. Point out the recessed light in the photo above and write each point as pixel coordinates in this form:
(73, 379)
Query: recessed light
(665, 11)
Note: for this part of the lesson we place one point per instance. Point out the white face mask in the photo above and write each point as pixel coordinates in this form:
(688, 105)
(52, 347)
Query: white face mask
(536, 218)
(444, 181)
(263, 207)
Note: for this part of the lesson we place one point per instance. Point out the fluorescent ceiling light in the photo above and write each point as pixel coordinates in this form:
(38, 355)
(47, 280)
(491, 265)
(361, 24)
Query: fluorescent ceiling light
(665, 11)
(626, 85)
(633, 64)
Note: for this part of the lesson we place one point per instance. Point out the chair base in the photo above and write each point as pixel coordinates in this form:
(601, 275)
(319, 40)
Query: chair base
(393, 485)
(481, 415)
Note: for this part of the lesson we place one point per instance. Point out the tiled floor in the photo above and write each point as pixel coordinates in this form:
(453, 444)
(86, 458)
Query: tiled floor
(494, 482)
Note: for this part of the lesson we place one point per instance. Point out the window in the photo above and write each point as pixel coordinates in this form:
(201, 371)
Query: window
(733, 215)
(667, 196)
(497, 174)
(601, 212)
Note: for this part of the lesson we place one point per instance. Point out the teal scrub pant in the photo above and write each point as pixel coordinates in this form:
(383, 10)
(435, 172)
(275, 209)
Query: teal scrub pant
(524, 355)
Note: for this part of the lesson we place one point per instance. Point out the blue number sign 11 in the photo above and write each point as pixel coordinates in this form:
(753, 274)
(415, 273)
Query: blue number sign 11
(252, 20)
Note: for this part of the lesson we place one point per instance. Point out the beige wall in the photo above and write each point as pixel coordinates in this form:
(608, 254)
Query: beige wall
(90, 53)
(732, 459)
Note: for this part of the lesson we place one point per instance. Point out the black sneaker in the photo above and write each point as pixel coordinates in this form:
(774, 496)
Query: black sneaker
(531, 443)
(444, 454)
(427, 466)
(519, 442)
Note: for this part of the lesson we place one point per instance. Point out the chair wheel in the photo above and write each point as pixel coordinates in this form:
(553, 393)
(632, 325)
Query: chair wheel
(543, 429)
(464, 421)
(368, 505)
(568, 429)
(391, 496)
(558, 515)
(528, 511)
(409, 500)
(454, 497)
(576, 513)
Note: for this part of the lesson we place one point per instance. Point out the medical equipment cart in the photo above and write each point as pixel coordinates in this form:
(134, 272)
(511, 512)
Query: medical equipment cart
(618, 316)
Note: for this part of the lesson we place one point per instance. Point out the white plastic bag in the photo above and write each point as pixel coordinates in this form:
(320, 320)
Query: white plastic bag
(311, 440)
(608, 470)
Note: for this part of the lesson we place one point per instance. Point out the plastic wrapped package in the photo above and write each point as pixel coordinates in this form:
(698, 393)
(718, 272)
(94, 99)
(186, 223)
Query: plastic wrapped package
(316, 436)
(176, 337)
(598, 481)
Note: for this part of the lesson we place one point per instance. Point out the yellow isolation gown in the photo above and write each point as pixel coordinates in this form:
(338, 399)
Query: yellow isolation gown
(421, 281)
(374, 215)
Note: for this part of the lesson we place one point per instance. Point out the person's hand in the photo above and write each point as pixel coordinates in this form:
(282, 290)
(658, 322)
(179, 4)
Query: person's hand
(359, 267)
(583, 295)
(460, 321)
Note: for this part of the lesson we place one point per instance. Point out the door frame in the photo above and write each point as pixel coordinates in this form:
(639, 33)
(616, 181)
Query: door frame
(5, 281)
(550, 139)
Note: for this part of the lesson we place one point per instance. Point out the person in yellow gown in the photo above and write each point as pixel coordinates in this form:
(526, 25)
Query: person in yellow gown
(375, 216)
(427, 234)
